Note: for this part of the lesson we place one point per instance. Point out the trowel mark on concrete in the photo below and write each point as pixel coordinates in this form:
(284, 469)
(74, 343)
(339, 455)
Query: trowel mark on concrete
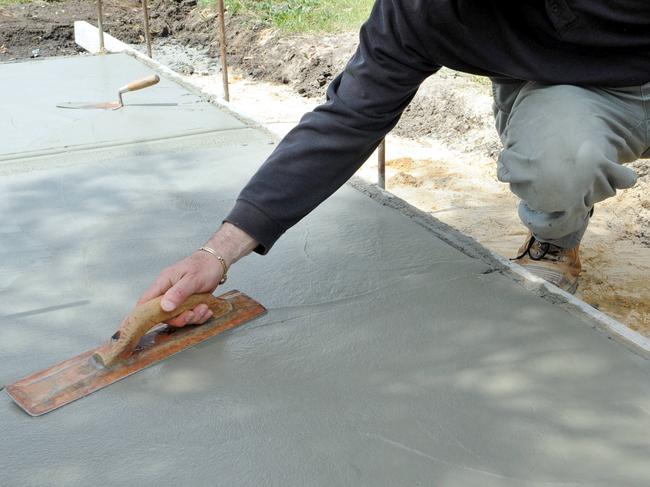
(388, 285)
(278, 322)
(455, 439)
(304, 247)
(47, 309)
(422, 454)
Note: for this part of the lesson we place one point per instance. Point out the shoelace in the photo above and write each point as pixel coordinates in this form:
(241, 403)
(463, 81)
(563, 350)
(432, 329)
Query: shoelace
(545, 247)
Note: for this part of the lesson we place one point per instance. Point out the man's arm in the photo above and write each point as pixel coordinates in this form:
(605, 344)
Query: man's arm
(363, 104)
(320, 154)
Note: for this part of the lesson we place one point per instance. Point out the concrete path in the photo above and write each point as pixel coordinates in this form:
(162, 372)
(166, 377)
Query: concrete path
(32, 124)
(387, 357)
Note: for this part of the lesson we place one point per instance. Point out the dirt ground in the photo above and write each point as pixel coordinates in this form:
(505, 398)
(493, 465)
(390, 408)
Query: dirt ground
(441, 155)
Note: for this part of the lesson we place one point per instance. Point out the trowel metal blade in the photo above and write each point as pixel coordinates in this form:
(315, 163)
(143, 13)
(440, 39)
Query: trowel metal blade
(112, 105)
(79, 376)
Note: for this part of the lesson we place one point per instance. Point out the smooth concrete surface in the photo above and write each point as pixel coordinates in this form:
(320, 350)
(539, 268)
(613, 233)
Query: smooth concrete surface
(31, 123)
(387, 357)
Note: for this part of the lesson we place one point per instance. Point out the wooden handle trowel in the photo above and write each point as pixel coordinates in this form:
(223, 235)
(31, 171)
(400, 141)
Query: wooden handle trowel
(138, 344)
(114, 105)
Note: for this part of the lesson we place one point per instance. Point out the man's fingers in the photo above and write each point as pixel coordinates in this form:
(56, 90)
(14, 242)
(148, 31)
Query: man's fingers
(185, 318)
(194, 274)
(160, 286)
(202, 315)
(199, 311)
(198, 316)
(178, 293)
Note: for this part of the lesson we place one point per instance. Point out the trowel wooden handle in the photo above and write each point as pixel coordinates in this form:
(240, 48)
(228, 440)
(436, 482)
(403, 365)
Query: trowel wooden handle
(141, 83)
(146, 316)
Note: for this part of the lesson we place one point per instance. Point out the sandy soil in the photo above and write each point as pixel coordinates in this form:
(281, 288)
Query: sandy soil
(441, 155)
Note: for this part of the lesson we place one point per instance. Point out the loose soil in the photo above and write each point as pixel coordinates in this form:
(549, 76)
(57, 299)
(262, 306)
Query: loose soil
(441, 154)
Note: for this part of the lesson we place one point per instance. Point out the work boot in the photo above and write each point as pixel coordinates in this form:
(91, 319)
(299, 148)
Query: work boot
(556, 265)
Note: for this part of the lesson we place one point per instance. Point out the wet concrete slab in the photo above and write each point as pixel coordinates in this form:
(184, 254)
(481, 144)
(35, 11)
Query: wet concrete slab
(387, 356)
(31, 123)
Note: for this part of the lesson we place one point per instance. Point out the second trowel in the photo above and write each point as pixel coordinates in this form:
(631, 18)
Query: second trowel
(114, 105)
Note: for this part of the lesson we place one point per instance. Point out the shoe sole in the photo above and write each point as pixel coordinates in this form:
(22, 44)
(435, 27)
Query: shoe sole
(552, 277)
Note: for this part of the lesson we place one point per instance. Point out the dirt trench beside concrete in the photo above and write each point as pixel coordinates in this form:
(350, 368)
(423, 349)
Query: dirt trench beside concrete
(48, 26)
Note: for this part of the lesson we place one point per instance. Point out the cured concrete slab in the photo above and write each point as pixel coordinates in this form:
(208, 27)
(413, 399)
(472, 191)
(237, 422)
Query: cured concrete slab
(386, 358)
(31, 123)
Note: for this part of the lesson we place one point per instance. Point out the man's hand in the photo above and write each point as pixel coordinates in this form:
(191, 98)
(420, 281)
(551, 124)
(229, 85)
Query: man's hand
(200, 272)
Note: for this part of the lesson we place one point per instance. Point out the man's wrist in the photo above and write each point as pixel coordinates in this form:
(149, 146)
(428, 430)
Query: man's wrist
(231, 243)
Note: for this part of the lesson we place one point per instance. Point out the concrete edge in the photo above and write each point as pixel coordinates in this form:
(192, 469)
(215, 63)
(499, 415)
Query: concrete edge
(614, 329)
(87, 36)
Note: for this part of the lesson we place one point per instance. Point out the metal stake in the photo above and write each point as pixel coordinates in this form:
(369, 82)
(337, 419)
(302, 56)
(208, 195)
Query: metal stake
(147, 32)
(381, 164)
(222, 41)
(100, 27)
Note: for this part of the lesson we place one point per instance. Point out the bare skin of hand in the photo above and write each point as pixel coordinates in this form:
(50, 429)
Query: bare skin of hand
(199, 272)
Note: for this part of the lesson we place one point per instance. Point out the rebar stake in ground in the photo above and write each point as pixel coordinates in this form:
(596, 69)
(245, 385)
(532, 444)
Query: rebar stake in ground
(147, 30)
(222, 42)
(100, 26)
(381, 164)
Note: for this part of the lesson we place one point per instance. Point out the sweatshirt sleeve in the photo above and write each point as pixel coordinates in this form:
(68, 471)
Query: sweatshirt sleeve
(329, 144)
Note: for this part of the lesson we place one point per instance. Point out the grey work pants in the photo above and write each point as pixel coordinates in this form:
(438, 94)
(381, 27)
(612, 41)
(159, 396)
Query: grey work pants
(563, 150)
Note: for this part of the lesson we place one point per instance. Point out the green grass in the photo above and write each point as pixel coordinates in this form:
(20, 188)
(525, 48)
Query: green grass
(11, 2)
(303, 15)
(481, 80)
